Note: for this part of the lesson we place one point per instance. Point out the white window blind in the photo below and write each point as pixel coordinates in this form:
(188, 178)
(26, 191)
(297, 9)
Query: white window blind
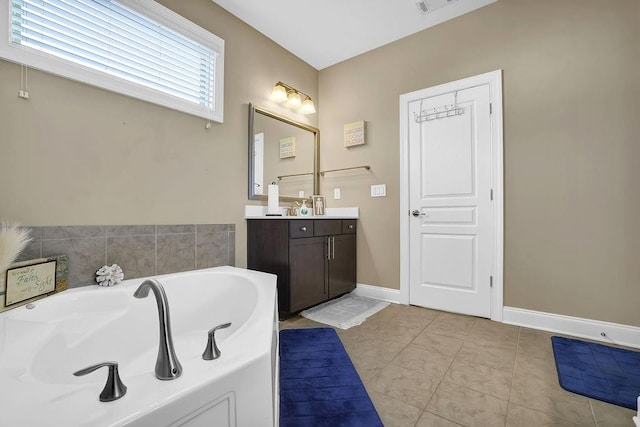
(177, 63)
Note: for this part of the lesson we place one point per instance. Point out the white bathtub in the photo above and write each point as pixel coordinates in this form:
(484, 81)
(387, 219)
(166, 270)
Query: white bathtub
(40, 348)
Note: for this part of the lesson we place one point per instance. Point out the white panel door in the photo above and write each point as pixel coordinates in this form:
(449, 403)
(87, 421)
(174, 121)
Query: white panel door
(450, 234)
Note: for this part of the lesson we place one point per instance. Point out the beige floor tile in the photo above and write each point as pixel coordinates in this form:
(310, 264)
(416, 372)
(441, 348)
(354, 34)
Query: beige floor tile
(373, 348)
(419, 315)
(358, 334)
(448, 346)
(535, 390)
(433, 364)
(489, 354)
(427, 419)
(487, 331)
(454, 325)
(467, 407)
(393, 412)
(608, 415)
(407, 385)
(399, 330)
(481, 378)
(519, 416)
(534, 368)
(535, 343)
(493, 340)
(490, 327)
(367, 367)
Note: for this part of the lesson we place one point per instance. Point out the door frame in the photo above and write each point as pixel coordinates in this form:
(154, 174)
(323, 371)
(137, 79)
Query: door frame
(494, 79)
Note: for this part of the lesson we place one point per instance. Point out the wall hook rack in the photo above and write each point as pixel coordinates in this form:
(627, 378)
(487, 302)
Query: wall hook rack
(439, 112)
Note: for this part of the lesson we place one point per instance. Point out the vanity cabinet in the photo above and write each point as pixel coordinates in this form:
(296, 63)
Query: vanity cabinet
(314, 259)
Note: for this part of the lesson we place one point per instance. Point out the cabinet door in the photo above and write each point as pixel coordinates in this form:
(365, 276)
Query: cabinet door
(308, 264)
(342, 265)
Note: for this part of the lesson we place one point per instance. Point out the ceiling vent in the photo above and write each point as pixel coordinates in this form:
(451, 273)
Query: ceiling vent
(422, 7)
(428, 6)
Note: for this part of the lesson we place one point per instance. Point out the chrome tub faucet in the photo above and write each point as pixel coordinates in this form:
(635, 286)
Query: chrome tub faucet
(167, 365)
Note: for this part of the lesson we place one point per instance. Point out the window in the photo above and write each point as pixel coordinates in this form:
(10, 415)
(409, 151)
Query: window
(137, 48)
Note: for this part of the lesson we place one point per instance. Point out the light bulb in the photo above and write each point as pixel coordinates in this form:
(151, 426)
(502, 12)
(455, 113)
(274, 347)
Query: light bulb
(308, 107)
(294, 100)
(279, 93)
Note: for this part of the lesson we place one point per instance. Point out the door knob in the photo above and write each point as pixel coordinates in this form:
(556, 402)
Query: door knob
(417, 213)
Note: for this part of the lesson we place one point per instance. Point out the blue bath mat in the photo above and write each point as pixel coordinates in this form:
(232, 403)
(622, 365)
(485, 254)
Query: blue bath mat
(594, 370)
(319, 385)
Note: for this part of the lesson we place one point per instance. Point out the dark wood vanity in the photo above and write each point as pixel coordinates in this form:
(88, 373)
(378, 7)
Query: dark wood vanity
(314, 259)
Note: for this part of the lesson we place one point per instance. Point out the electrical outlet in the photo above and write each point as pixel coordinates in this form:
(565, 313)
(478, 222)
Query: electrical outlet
(336, 194)
(23, 94)
(379, 190)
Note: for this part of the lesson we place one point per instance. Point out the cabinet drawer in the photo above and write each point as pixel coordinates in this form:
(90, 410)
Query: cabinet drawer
(300, 228)
(326, 227)
(348, 226)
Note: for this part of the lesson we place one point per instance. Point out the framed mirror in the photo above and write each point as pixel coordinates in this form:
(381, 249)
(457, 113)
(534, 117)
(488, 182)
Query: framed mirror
(283, 151)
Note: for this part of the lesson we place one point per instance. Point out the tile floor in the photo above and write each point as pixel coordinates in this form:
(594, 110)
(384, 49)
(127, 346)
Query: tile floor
(428, 368)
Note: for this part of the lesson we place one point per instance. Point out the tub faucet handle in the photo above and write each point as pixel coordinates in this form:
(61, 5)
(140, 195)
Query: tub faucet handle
(212, 351)
(114, 389)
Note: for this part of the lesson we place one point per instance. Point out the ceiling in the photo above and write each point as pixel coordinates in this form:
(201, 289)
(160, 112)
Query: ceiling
(325, 32)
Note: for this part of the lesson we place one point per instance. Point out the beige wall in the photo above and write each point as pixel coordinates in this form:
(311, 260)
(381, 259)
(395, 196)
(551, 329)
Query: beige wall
(77, 155)
(571, 145)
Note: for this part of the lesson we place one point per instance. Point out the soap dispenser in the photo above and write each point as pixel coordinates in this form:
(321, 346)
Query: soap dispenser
(304, 209)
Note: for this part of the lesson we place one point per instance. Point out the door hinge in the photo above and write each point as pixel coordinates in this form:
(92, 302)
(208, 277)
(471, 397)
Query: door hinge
(492, 194)
(491, 281)
(490, 108)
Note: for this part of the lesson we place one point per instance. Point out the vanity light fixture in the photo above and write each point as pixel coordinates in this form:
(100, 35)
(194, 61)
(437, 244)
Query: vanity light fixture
(283, 92)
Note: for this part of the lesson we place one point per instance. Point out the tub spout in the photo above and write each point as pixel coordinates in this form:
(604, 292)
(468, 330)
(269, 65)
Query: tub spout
(167, 365)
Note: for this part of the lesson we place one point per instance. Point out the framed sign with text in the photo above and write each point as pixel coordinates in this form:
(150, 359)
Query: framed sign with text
(30, 281)
(27, 281)
(354, 133)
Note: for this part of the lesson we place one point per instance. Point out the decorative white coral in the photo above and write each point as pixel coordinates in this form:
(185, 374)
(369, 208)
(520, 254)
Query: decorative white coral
(13, 240)
(109, 275)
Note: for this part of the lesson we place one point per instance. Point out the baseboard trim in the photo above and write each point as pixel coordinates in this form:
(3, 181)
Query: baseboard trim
(584, 328)
(378, 292)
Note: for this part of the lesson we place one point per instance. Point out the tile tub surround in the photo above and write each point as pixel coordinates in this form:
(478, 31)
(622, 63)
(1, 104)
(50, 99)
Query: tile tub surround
(425, 367)
(141, 250)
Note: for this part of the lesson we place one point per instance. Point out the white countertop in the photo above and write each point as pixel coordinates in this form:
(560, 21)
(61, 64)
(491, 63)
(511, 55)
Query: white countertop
(260, 212)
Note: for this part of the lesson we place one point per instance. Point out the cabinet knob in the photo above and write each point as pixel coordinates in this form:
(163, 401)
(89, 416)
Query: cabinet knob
(303, 228)
(350, 227)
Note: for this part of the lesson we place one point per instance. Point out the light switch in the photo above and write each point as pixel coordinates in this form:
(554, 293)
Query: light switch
(336, 193)
(379, 190)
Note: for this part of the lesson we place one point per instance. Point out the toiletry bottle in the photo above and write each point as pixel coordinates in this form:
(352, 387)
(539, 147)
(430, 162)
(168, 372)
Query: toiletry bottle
(304, 209)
